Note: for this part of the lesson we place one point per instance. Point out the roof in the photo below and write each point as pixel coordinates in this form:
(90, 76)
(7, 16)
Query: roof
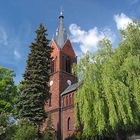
(70, 88)
(61, 35)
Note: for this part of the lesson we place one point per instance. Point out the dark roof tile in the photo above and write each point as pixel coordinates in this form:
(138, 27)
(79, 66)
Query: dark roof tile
(70, 88)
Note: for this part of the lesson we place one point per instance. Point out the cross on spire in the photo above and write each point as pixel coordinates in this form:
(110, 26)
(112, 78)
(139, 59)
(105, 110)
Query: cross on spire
(61, 11)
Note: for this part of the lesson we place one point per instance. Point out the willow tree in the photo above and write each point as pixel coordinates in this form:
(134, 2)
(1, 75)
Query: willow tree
(108, 100)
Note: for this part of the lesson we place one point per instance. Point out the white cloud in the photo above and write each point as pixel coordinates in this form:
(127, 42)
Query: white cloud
(88, 40)
(17, 54)
(122, 21)
(3, 37)
(10, 41)
(133, 1)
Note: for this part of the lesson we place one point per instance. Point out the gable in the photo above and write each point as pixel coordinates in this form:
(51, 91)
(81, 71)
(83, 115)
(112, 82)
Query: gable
(55, 50)
(68, 49)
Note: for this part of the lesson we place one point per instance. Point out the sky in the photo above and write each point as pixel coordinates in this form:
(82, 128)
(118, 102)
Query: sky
(86, 22)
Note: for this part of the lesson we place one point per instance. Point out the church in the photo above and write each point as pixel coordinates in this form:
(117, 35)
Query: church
(63, 83)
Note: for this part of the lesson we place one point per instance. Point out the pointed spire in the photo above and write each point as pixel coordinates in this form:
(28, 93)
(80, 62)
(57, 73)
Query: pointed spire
(61, 35)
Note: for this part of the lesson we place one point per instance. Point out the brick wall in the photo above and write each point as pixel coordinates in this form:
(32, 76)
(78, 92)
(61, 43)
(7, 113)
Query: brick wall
(68, 113)
(59, 77)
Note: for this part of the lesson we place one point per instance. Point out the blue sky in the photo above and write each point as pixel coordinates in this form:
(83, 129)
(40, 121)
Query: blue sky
(86, 21)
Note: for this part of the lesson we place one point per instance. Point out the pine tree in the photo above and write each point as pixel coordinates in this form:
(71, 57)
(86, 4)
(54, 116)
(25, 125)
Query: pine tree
(35, 89)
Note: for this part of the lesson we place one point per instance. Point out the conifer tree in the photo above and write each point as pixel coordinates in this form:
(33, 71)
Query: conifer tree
(35, 89)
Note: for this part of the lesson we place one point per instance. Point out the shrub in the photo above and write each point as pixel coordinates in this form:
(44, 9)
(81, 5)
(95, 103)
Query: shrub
(26, 131)
(7, 127)
(47, 136)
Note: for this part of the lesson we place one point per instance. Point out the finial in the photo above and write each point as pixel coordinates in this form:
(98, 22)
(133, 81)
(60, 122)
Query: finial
(61, 11)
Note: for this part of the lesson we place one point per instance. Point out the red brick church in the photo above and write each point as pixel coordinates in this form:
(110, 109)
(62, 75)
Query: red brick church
(63, 83)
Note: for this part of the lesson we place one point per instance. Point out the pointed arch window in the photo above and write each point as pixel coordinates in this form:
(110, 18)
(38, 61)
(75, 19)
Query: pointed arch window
(52, 66)
(68, 65)
(69, 123)
(70, 99)
(63, 63)
(63, 101)
(50, 101)
(67, 100)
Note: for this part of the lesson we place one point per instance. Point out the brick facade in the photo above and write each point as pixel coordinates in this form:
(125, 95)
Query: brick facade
(66, 114)
(60, 106)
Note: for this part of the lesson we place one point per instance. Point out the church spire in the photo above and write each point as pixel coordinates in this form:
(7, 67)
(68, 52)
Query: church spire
(61, 35)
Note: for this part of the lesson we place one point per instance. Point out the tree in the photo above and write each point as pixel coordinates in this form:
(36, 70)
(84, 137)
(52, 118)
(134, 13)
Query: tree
(110, 90)
(49, 133)
(25, 131)
(35, 89)
(8, 97)
(7, 127)
(7, 90)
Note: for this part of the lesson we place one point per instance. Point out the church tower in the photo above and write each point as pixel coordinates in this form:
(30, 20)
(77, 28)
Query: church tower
(61, 74)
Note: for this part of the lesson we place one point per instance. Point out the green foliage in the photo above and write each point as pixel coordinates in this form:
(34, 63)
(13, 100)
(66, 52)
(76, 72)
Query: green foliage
(25, 131)
(8, 97)
(3, 124)
(49, 133)
(7, 90)
(34, 88)
(7, 127)
(10, 131)
(110, 90)
(3, 119)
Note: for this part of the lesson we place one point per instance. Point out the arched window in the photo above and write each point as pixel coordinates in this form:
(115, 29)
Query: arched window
(63, 63)
(66, 100)
(52, 66)
(69, 123)
(50, 101)
(68, 65)
(70, 99)
(63, 101)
